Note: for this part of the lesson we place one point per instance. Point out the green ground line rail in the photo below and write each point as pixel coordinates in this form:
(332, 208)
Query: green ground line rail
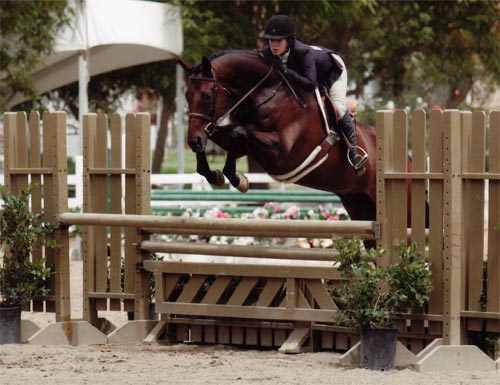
(257, 196)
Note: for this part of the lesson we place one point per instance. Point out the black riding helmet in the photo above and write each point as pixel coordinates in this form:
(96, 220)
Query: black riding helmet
(279, 27)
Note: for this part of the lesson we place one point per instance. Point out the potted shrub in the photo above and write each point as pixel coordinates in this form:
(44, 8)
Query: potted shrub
(21, 279)
(373, 294)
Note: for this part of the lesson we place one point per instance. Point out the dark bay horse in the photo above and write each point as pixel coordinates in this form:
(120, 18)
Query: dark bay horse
(240, 103)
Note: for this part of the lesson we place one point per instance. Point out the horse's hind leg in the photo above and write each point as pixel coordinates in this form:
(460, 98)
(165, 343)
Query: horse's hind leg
(237, 180)
(215, 178)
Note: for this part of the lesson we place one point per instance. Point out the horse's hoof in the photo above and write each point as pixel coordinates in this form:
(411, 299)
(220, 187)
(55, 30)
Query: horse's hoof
(243, 185)
(361, 171)
(219, 178)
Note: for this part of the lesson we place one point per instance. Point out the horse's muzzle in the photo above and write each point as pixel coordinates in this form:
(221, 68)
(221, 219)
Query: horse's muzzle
(196, 144)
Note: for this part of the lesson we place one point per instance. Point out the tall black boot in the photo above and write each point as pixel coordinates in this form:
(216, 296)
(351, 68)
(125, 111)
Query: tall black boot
(346, 125)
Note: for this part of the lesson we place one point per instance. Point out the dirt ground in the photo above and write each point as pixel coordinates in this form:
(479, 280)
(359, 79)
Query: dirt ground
(190, 364)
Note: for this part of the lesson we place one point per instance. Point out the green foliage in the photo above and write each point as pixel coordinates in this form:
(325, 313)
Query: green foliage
(21, 233)
(375, 293)
(27, 31)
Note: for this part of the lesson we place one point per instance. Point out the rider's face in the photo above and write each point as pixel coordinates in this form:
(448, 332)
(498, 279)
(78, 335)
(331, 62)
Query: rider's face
(278, 46)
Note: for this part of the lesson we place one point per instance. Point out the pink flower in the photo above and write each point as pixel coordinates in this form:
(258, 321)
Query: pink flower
(277, 208)
(291, 212)
(221, 214)
(333, 218)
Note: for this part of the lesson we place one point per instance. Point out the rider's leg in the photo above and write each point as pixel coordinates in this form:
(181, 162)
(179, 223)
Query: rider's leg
(346, 125)
(337, 93)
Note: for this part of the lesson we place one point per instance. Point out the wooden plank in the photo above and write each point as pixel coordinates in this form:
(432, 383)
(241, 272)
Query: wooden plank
(115, 208)
(171, 281)
(142, 190)
(196, 333)
(295, 340)
(493, 296)
(326, 340)
(342, 341)
(237, 336)
(302, 301)
(269, 292)
(9, 148)
(252, 312)
(35, 161)
(436, 217)
(99, 188)
(49, 161)
(210, 336)
(418, 187)
(159, 289)
(224, 335)
(22, 148)
(452, 254)
(398, 188)
(250, 270)
(130, 208)
(251, 336)
(182, 333)
(89, 133)
(473, 142)
(279, 337)
(417, 344)
(320, 295)
(191, 288)
(61, 254)
(156, 333)
(243, 290)
(266, 337)
(384, 148)
(216, 290)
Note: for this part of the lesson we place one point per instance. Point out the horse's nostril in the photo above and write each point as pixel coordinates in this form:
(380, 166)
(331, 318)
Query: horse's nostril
(196, 144)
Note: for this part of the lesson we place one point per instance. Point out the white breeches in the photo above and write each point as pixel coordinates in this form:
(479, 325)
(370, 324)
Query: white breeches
(338, 90)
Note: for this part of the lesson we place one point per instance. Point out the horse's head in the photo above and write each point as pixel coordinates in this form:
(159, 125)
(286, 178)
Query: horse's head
(207, 103)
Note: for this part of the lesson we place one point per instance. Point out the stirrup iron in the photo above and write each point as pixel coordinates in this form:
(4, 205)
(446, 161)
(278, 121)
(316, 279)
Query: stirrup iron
(363, 158)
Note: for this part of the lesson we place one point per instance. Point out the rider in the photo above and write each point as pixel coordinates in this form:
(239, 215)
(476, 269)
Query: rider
(310, 67)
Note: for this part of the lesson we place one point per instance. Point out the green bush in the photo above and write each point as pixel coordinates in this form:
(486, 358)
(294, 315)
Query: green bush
(372, 294)
(21, 233)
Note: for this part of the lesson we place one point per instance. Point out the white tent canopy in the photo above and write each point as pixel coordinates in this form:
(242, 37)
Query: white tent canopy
(111, 34)
(107, 35)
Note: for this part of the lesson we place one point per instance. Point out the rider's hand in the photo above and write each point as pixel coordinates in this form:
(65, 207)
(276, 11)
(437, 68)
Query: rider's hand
(278, 64)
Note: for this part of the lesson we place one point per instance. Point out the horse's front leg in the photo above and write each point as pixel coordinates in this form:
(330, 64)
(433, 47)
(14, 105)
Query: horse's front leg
(215, 177)
(237, 180)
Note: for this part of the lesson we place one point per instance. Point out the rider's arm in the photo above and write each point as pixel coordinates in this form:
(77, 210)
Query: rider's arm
(307, 79)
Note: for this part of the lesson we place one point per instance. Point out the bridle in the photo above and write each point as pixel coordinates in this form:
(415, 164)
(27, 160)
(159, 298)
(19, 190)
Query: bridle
(213, 121)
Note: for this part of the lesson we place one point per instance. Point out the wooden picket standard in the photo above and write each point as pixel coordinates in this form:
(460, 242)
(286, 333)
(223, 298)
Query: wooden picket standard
(110, 257)
(459, 244)
(30, 160)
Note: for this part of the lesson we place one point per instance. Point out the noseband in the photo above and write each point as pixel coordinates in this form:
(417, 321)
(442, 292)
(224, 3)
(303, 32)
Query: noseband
(213, 121)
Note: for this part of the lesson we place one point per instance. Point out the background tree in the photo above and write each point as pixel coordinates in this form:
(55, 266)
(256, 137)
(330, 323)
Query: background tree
(402, 48)
(27, 33)
(437, 50)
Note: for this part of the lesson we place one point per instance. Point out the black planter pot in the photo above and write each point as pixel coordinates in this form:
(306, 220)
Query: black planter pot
(378, 348)
(10, 325)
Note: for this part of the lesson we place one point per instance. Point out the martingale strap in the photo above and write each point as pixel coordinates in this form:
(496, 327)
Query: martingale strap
(317, 157)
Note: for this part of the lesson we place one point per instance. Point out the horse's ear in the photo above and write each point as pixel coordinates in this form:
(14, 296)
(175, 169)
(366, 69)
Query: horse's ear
(186, 66)
(206, 67)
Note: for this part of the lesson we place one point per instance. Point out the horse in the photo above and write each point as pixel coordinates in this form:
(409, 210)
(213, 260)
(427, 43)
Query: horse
(241, 103)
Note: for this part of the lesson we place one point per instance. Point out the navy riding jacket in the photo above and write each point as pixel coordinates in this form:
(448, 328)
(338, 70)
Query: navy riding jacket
(308, 66)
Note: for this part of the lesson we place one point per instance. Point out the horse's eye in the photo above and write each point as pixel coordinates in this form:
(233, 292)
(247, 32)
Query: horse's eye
(206, 96)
